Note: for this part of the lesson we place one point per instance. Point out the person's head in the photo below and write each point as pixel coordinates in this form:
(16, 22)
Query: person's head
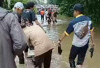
(1, 3)
(78, 9)
(18, 7)
(30, 5)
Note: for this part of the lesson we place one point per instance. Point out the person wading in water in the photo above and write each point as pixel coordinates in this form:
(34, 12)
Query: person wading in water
(83, 31)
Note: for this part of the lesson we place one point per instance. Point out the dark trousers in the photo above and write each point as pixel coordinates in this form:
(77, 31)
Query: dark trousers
(42, 17)
(21, 57)
(77, 51)
(43, 60)
(26, 50)
(49, 20)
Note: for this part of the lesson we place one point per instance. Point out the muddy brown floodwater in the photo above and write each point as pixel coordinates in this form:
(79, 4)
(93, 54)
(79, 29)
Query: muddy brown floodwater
(61, 61)
(55, 32)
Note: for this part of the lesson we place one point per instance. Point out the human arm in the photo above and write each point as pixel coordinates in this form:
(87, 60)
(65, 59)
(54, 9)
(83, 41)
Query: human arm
(92, 37)
(63, 36)
(92, 42)
(92, 34)
(17, 36)
(34, 18)
(66, 33)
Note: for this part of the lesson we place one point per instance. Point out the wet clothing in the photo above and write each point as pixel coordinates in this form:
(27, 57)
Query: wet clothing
(43, 60)
(78, 51)
(79, 46)
(37, 37)
(12, 39)
(29, 15)
(75, 25)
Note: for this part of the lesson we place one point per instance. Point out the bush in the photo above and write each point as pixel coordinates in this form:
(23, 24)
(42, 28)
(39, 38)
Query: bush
(92, 8)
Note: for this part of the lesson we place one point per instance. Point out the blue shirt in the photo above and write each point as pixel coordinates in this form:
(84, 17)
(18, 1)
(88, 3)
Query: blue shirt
(75, 25)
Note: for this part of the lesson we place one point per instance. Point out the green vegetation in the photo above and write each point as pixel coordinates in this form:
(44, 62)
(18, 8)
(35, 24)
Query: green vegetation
(92, 7)
(14, 1)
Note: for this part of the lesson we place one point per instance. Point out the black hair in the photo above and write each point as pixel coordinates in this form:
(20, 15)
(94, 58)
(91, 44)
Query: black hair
(80, 12)
(1, 3)
(30, 5)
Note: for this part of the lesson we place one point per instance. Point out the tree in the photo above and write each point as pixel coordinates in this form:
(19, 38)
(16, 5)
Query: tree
(8, 4)
(92, 7)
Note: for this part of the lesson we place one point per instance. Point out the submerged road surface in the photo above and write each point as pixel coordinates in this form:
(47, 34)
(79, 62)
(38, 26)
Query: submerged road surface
(61, 61)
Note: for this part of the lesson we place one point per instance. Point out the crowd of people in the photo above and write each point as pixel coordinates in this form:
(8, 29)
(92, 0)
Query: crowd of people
(50, 14)
(18, 33)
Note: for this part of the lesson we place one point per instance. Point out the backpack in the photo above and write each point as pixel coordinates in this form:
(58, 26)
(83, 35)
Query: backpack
(82, 30)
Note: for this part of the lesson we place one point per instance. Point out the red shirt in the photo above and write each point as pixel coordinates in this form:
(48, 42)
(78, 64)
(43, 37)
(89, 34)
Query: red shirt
(42, 12)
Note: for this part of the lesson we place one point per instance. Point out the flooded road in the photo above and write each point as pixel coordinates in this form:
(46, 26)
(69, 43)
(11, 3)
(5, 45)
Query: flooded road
(61, 61)
(94, 62)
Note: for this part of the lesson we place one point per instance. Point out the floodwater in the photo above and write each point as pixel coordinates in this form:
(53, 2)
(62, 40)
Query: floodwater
(61, 61)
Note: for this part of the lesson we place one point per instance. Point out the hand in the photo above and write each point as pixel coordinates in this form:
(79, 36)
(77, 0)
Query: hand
(92, 45)
(59, 42)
